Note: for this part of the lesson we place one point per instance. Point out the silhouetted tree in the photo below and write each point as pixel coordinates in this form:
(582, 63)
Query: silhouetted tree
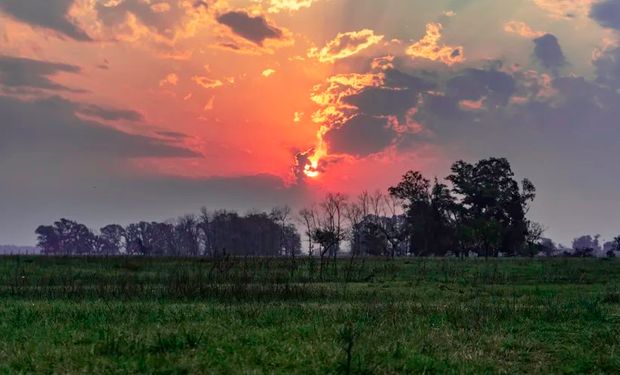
(586, 246)
(329, 232)
(187, 236)
(308, 217)
(110, 239)
(430, 214)
(492, 205)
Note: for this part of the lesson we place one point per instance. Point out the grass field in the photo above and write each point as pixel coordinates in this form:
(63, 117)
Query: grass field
(169, 316)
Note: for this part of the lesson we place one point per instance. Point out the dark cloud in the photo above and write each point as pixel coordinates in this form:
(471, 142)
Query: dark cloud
(381, 101)
(109, 114)
(171, 134)
(395, 78)
(22, 73)
(608, 68)
(50, 128)
(549, 52)
(48, 14)
(607, 13)
(253, 28)
(361, 136)
(475, 84)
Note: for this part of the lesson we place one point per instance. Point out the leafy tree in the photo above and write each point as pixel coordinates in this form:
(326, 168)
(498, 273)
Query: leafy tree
(586, 246)
(430, 213)
(110, 239)
(48, 239)
(492, 205)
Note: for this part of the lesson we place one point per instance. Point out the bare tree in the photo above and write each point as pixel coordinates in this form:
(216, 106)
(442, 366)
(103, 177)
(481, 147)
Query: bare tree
(329, 232)
(308, 217)
(281, 215)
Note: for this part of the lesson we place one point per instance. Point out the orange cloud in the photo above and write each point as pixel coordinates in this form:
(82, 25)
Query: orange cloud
(383, 63)
(566, 8)
(171, 79)
(428, 47)
(277, 6)
(210, 104)
(346, 45)
(333, 111)
(161, 22)
(268, 72)
(472, 105)
(160, 7)
(207, 83)
(522, 29)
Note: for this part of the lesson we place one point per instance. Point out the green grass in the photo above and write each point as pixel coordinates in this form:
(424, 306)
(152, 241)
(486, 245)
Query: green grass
(171, 316)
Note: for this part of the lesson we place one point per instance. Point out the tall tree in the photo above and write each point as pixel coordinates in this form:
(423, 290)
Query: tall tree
(493, 205)
(429, 212)
(110, 239)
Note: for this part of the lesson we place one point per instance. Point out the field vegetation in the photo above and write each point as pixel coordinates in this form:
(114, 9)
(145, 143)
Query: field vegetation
(280, 315)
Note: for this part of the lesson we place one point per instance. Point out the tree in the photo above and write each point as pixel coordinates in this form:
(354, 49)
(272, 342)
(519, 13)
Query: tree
(281, 216)
(548, 247)
(586, 246)
(66, 237)
(616, 244)
(329, 232)
(187, 236)
(430, 213)
(308, 217)
(492, 205)
(414, 191)
(48, 239)
(533, 240)
(110, 239)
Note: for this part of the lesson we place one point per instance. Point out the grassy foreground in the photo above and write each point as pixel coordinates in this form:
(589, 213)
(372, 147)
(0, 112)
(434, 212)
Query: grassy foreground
(176, 316)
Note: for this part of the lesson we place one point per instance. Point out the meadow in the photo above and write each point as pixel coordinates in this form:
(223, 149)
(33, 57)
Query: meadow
(271, 315)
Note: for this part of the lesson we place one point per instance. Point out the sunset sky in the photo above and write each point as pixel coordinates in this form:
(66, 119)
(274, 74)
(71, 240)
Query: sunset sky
(122, 110)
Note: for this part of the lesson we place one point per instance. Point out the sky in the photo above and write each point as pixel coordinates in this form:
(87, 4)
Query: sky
(128, 110)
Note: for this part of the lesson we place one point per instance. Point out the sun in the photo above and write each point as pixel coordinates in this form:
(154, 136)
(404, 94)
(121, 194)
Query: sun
(309, 171)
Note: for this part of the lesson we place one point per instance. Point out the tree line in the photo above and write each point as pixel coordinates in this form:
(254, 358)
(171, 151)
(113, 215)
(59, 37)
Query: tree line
(479, 208)
(209, 234)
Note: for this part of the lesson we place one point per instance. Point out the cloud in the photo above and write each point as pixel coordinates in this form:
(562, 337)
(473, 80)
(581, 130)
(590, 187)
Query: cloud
(256, 29)
(24, 73)
(383, 101)
(522, 29)
(607, 13)
(50, 128)
(429, 48)
(548, 51)
(171, 79)
(268, 72)
(495, 87)
(108, 114)
(346, 45)
(207, 83)
(163, 20)
(565, 8)
(47, 14)
(361, 115)
(360, 136)
(277, 6)
(608, 68)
